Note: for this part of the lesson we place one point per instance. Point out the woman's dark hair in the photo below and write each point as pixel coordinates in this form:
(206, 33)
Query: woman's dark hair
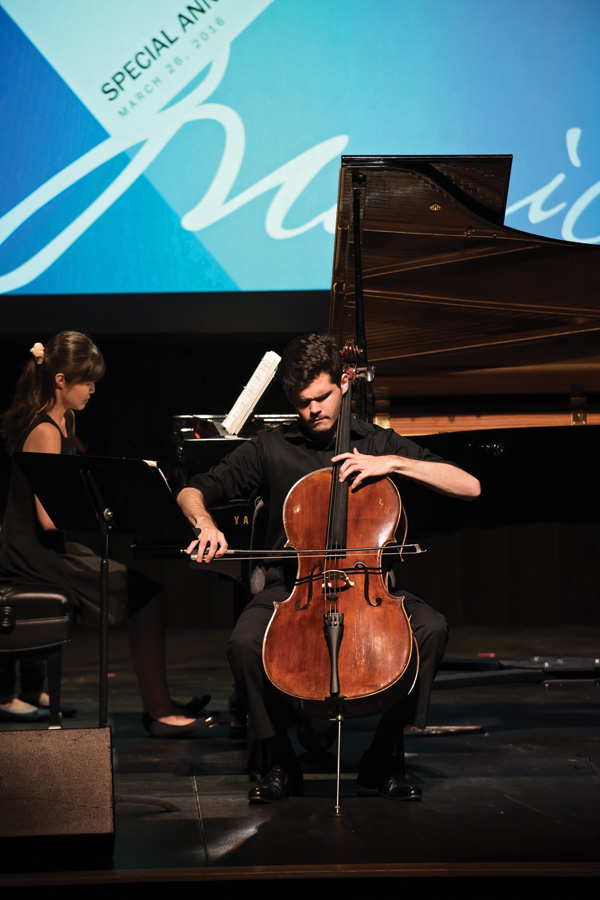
(71, 353)
(306, 357)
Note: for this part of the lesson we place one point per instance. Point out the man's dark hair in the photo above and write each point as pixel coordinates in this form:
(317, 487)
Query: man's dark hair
(306, 357)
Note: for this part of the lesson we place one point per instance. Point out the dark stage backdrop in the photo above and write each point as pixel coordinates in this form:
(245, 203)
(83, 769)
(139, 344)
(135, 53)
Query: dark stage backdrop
(149, 380)
(541, 574)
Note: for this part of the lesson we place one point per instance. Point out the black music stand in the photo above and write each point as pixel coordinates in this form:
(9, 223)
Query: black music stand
(99, 494)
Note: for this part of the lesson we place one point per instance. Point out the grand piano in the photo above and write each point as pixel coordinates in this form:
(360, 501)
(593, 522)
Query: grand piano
(451, 294)
(471, 324)
(468, 324)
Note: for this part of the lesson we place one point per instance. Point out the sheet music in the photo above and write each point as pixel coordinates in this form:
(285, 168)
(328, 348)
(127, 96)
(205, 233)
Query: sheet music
(259, 382)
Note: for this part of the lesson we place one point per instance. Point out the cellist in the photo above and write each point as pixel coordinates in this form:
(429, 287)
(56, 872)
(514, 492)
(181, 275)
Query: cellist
(312, 375)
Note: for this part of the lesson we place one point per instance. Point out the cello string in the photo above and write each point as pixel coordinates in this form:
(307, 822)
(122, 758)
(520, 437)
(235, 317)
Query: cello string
(337, 520)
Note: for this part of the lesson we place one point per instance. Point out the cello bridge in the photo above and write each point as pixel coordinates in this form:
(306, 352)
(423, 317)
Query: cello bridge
(336, 580)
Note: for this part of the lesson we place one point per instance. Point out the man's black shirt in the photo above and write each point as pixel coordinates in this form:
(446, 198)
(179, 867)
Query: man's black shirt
(272, 462)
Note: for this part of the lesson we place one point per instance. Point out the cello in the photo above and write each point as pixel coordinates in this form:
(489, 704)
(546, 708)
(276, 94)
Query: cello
(341, 645)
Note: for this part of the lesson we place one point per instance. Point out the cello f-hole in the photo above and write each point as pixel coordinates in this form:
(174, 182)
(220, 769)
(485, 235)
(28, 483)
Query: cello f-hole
(364, 569)
(317, 569)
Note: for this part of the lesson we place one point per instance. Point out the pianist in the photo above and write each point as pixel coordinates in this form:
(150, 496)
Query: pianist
(311, 373)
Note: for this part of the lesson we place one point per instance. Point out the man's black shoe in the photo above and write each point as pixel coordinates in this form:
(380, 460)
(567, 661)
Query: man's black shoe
(275, 786)
(397, 788)
(392, 787)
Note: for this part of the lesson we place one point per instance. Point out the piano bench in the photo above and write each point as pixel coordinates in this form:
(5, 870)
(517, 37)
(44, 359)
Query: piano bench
(35, 620)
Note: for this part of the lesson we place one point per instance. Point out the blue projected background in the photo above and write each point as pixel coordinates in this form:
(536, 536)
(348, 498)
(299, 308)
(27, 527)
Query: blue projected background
(164, 146)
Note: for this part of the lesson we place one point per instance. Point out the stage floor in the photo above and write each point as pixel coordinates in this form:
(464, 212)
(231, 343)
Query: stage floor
(520, 796)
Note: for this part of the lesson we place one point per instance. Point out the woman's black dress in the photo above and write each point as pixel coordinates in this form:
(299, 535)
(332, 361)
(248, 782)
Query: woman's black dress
(30, 554)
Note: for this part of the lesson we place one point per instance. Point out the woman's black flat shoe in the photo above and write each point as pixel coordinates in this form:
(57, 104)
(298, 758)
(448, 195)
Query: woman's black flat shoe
(156, 728)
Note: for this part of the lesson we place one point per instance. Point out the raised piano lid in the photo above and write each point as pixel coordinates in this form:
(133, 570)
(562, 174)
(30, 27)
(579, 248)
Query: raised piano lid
(447, 287)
